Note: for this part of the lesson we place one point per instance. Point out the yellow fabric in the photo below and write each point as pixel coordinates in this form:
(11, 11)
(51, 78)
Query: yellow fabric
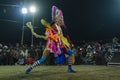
(45, 23)
(65, 41)
(73, 59)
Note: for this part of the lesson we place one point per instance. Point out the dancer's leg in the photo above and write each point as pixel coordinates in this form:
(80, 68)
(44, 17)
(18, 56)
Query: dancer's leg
(70, 52)
(41, 60)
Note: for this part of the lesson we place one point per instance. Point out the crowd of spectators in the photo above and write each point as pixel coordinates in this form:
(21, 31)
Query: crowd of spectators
(11, 55)
(98, 53)
(92, 52)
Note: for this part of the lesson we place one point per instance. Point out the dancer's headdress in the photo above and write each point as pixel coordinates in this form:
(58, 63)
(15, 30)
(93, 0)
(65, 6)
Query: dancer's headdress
(57, 14)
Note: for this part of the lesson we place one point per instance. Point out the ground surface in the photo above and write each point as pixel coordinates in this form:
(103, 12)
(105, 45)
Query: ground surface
(84, 72)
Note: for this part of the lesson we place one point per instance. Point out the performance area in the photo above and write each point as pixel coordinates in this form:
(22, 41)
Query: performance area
(59, 40)
(84, 72)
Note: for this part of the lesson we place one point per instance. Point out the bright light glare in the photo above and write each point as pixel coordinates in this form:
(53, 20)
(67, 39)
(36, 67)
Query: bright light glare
(24, 10)
(32, 9)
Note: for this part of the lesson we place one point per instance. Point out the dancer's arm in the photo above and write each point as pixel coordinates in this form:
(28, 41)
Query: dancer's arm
(29, 25)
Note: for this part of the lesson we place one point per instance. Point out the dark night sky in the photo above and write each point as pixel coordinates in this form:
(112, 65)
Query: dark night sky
(85, 19)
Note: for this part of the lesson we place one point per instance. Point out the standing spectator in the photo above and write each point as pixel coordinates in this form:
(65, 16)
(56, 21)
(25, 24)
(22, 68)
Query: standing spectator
(1, 55)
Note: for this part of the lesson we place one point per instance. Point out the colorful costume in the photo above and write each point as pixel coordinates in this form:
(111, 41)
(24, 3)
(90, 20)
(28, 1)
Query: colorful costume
(56, 42)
